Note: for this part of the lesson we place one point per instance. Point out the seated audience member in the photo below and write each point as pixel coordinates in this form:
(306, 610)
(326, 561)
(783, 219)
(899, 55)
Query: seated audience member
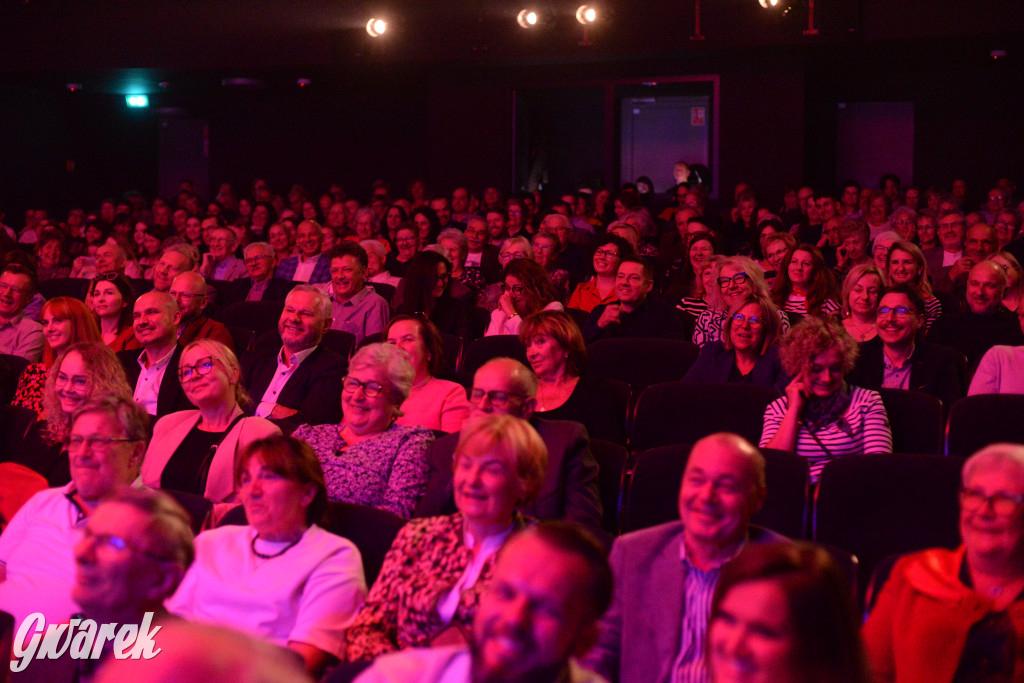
(309, 265)
(189, 291)
(433, 403)
(481, 256)
(1007, 224)
(1014, 292)
(355, 307)
(696, 300)
(904, 223)
(854, 238)
(427, 289)
(980, 243)
(300, 382)
(220, 263)
(525, 290)
(958, 615)
(999, 372)
(804, 284)
(83, 371)
(112, 299)
(950, 230)
(551, 584)
(897, 359)
(665, 575)
(731, 279)
(280, 577)
(260, 285)
(880, 248)
(438, 567)
(571, 256)
(985, 323)
(281, 239)
(511, 248)
(497, 230)
(194, 450)
(376, 261)
(636, 313)
(455, 244)
(747, 353)
(153, 373)
(821, 417)
(176, 259)
(906, 266)
(609, 250)
(407, 245)
(861, 290)
(66, 321)
(368, 459)
(556, 352)
(19, 334)
(505, 386)
(545, 253)
(796, 593)
(106, 441)
(49, 252)
(775, 247)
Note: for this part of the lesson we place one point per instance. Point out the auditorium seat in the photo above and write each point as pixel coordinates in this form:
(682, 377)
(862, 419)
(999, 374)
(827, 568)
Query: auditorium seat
(259, 316)
(611, 462)
(641, 362)
(479, 351)
(915, 419)
(977, 421)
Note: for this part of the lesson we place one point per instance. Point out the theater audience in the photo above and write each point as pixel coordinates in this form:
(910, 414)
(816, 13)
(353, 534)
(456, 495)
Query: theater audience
(407, 245)
(368, 459)
(153, 373)
(438, 567)
(376, 260)
(481, 257)
(821, 417)
(220, 263)
(958, 614)
(49, 251)
(355, 307)
(433, 403)
(730, 280)
(637, 313)
(1014, 279)
(190, 292)
(609, 250)
(309, 265)
(526, 290)
(280, 577)
(260, 285)
(19, 334)
(112, 299)
(906, 266)
(176, 259)
(861, 290)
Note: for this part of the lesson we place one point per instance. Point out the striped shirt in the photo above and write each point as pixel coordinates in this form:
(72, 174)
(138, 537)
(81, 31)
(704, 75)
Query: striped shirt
(932, 311)
(797, 303)
(863, 428)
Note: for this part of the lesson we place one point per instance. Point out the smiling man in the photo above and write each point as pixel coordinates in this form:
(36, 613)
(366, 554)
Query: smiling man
(19, 334)
(309, 265)
(189, 290)
(355, 306)
(221, 263)
(153, 372)
(175, 259)
(665, 576)
(635, 314)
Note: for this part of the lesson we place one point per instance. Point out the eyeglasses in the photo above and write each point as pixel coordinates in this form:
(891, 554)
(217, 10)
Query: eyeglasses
(14, 289)
(253, 260)
(498, 399)
(371, 389)
(607, 253)
(105, 277)
(78, 382)
(898, 311)
(739, 319)
(517, 290)
(200, 369)
(737, 279)
(115, 543)
(509, 255)
(1003, 504)
(95, 442)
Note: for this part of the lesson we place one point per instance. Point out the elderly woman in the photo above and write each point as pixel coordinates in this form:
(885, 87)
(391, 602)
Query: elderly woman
(280, 577)
(958, 615)
(546, 252)
(50, 255)
(804, 284)
(66, 321)
(195, 450)
(782, 612)
(862, 289)
(747, 352)
(112, 298)
(609, 250)
(369, 459)
(731, 280)
(526, 290)
(433, 403)
(556, 352)
(454, 242)
(821, 417)
(1014, 279)
(511, 248)
(438, 567)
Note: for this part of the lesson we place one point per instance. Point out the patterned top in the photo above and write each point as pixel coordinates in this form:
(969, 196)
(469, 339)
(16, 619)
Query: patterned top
(932, 311)
(426, 560)
(709, 326)
(797, 303)
(692, 305)
(388, 471)
(30, 388)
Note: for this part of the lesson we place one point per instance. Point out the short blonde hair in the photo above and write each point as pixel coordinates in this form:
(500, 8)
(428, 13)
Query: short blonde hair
(516, 437)
(854, 276)
(228, 358)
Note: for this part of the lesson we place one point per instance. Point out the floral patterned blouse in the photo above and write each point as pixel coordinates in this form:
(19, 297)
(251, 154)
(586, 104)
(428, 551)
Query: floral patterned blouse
(388, 471)
(30, 388)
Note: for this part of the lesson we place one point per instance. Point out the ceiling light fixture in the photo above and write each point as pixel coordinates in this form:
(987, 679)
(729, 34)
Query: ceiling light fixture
(376, 27)
(528, 18)
(586, 14)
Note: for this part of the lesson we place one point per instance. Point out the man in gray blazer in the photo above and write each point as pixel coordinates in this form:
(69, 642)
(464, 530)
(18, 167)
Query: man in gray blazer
(665, 576)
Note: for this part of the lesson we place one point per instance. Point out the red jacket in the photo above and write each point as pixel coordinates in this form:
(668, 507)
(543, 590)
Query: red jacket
(203, 327)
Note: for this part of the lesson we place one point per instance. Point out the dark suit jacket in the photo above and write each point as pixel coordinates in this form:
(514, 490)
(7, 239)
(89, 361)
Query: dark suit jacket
(171, 397)
(489, 266)
(933, 370)
(569, 490)
(238, 290)
(314, 389)
(652, 318)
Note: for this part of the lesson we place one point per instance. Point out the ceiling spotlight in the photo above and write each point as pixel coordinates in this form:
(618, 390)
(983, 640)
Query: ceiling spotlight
(586, 14)
(528, 18)
(768, 4)
(376, 27)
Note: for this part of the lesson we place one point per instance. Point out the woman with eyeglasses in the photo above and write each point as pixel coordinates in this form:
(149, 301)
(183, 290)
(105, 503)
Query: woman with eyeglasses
(600, 289)
(112, 299)
(862, 290)
(427, 289)
(195, 450)
(958, 615)
(731, 280)
(804, 284)
(906, 265)
(407, 245)
(369, 459)
(526, 290)
(747, 352)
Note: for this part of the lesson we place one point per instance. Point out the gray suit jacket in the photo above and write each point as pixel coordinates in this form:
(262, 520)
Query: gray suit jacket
(642, 630)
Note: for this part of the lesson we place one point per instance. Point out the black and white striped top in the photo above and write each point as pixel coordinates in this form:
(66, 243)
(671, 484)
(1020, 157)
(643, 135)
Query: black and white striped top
(797, 303)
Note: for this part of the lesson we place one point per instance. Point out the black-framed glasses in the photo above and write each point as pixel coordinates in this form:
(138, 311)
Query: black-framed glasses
(737, 279)
(95, 442)
(200, 369)
(78, 382)
(498, 399)
(1003, 504)
(517, 290)
(607, 253)
(898, 311)
(371, 389)
(739, 319)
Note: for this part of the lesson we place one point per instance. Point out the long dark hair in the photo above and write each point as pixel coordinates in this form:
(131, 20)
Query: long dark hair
(822, 287)
(420, 277)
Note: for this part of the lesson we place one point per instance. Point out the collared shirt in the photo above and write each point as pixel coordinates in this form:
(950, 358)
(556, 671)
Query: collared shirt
(305, 269)
(894, 377)
(951, 257)
(147, 389)
(22, 336)
(364, 314)
(448, 604)
(256, 290)
(285, 368)
(226, 268)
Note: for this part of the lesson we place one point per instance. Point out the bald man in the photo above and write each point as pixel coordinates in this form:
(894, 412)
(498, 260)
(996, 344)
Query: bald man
(189, 291)
(153, 372)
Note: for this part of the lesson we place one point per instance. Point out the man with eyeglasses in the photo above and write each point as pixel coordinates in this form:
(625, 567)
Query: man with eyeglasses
(301, 381)
(505, 386)
(153, 372)
(480, 254)
(895, 359)
(221, 263)
(106, 442)
(189, 291)
(175, 259)
(260, 285)
(19, 334)
(355, 306)
(635, 314)
(950, 229)
(980, 242)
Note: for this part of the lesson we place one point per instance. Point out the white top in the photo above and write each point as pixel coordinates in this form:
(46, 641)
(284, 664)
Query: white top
(448, 603)
(281, 376)
(308, 594)
(147, 389)
(999, 372)
(951, 257)
(305, 269)
(502, 324)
